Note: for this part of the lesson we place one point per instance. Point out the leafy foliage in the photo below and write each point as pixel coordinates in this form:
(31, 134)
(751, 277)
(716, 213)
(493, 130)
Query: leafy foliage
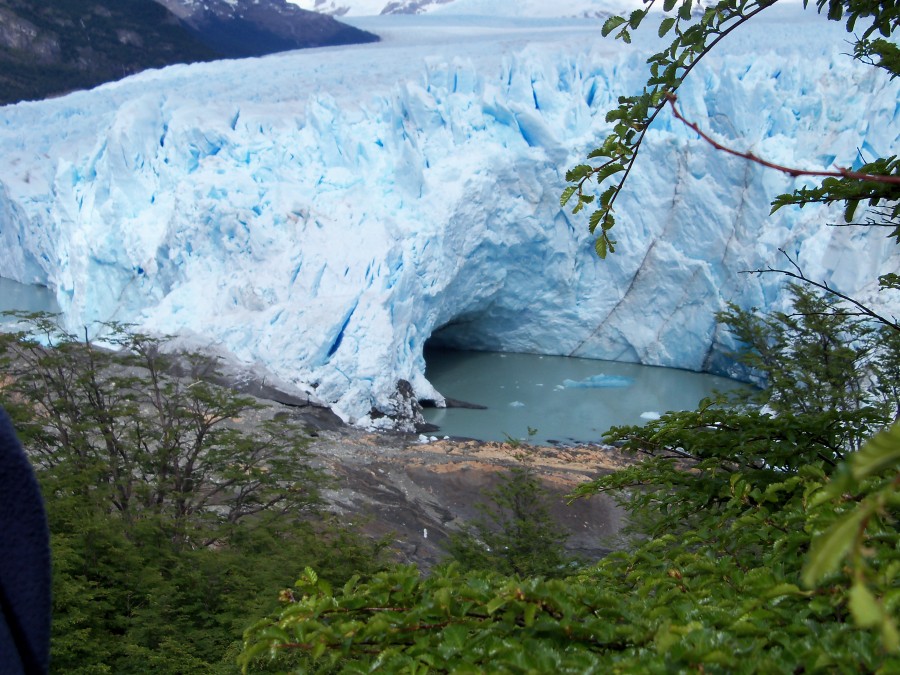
(516, 533)
(152, 443)
(853, 192)
(822, 359)
(167, 517)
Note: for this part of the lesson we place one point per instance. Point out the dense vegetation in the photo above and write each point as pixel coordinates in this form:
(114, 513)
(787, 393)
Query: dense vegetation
(765, 525)
(173, 504)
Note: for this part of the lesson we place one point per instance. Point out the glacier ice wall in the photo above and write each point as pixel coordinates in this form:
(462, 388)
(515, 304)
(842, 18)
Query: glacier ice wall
(322, 213)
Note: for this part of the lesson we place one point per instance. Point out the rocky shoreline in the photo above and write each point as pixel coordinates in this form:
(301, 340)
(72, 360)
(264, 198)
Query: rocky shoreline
(417, 493)
(415, 490)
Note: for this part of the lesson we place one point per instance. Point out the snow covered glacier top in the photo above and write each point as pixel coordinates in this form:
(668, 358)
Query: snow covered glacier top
(493, 8)
(510, 8)
(321, 214)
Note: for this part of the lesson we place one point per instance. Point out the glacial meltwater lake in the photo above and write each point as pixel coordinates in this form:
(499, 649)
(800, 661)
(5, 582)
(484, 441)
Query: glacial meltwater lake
(568, 400)
(28, 298)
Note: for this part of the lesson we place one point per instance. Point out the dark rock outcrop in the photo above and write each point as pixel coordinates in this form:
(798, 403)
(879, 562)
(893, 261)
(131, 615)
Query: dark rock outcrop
(51, 48)
(403, 409)
(247, 28)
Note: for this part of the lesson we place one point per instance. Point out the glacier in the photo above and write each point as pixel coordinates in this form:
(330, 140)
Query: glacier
(509, 8)
(319, 215)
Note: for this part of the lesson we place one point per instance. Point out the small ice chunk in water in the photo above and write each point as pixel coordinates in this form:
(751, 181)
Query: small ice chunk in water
(599, 382)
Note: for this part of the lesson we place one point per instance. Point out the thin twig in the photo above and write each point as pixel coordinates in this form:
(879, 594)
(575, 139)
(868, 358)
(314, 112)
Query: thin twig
(791, 171)
(869, 224)
(720, 35)
(800, 276)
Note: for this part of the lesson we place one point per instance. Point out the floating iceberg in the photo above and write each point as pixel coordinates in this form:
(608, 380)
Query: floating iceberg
(599, 382)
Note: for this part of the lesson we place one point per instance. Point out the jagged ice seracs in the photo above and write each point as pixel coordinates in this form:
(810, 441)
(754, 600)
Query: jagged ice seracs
(318, 215)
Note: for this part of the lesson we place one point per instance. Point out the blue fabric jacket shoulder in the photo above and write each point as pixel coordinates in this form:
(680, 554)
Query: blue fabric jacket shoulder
(24, 562)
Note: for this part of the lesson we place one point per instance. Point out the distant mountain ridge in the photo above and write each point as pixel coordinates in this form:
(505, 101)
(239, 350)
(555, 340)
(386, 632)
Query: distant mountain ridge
(257, 27)
(51, 48)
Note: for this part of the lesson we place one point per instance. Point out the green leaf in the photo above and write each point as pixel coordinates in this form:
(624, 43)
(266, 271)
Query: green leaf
(852, 205)
(273, 633)
(636, 17)
(454, 637)
(829, 548)
(890, 638)
(668, 5)
(309, 577)
(351, 584)
(611, 24)
(600, 247)
(880, 451)
(608, 195)
(578, 172)
(567, 195)
(864, 607)
(783, 589)
(666, 25)
(607, 171)
(496, 604)
(443, 598)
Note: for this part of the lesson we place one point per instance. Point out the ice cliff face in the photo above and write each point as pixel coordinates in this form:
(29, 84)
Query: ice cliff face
(324, 213)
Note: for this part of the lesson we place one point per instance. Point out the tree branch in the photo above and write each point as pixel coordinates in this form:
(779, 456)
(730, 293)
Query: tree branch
(800, 276)
(629, 156)
(791, 171)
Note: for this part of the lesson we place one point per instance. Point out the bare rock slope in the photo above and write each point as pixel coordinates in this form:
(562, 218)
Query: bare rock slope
(51, 48)
(417, 494)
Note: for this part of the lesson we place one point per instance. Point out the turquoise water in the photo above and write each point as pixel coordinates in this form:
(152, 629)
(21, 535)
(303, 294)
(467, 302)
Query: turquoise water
(29, 298)
(566, 399)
